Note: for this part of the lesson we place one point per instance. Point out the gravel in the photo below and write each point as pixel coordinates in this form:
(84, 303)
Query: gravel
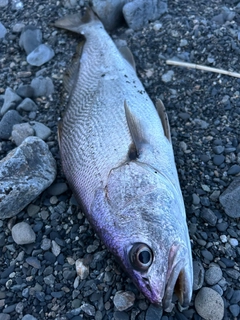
(66, 273)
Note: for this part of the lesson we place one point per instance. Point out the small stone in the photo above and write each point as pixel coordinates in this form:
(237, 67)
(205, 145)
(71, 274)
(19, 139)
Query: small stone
(42, 86)
(9, 119)
(218, 149)
(217, 288)
(213, 275)
(20, 132)
(11, 100)
(123, 300)
(57, 188)
(34, 262)
(183, 43)
(22, 233)
(17, 28)
(30, 39)
(233, 242)
(49, 280)
(235, 310)
(230, 199)
(25, 91)
(209, 304)
(154, 313)
(198, 275)
(209, 216)
(28, 317)
(41, 131)
(4, 316)
(82, 269)
(3, 31)
(223, 238)
(157, 26)
(3, 3)
(88, 309)
(30, 169)
(167, 77)
(202, 123)
(218, 159)
(55, 248)
(207, 255)
(46, 244)
(27, 105)
(235, 169)
(196, 199)
(42, 54)
(235, 297)
(234, 274)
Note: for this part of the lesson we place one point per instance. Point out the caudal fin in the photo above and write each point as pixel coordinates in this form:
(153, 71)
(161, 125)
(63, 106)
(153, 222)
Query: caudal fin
(75, 22)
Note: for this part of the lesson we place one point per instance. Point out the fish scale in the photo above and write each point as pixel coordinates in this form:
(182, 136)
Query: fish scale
(117, 156)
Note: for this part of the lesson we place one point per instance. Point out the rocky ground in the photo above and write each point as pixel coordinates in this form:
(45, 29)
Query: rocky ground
(58, 268)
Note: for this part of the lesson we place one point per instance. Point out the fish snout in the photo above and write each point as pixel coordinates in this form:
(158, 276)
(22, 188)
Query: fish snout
(180, 278)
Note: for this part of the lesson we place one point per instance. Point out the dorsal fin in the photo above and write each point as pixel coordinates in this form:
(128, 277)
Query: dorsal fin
(164, 118)
(75, 22)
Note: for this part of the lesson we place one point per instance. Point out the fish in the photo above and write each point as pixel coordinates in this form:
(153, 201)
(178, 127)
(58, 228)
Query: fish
(117, 156)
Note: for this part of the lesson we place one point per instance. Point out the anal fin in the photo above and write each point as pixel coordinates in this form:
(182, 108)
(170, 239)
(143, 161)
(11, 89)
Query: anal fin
(164, 118)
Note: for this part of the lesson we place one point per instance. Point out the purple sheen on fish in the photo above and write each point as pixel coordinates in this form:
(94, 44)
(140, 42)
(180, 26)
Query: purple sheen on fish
(118, 158)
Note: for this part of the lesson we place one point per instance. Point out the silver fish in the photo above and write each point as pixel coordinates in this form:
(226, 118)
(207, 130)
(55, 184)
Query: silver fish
(117, 156)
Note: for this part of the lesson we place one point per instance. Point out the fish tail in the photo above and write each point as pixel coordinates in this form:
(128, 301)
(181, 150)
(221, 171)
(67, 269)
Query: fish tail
(77, 22)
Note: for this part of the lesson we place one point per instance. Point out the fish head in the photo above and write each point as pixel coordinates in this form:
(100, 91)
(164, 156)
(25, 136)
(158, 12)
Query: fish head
(143, 223)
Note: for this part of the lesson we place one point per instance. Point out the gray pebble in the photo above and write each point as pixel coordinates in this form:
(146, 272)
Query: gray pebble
(202, 123)
(154, 313)
(20, 132)
(218, 149)
(17, 28)
(46, 244)
(3, 3)
(4, 316)
(137, 14)
(34, 262)
(49, 280)
(207, 254)
(42, 54)
(209, 304)
(32, 210)
(41, 131)
(30, 169)
(233, 273)
(11, 100)
(209, 216)
(57, 188)
(42, 86)
(25, 91)
(55, 248)
(167, 77)
(218, 159)
(230, 199)
(27, 105)
(28, 317)
(217, 288)
(198, 275)
(3, 31)
(123, 300)
(235, 310)
(88, 309)
(234, 169)
(22, 233)
(9, 119)
(235, 298)
(183, 42)
(213, 275)
(17, 5)
(30, 39)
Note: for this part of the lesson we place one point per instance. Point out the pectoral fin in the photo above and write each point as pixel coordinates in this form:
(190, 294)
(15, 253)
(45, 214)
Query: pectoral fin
(164, 118)
(127, 54)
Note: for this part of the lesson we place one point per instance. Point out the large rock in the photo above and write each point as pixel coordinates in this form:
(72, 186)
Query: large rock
(22, 233)
(24, 173)
(109, 12)
(230, 199)
(138, 13)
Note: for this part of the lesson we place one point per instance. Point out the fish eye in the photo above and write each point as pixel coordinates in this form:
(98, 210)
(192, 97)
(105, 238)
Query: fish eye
(141, 256)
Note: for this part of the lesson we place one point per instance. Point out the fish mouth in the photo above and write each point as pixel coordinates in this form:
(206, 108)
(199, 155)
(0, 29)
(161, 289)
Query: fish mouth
(180, 282)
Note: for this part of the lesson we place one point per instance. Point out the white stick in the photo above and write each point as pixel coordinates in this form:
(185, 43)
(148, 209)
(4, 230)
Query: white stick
(201, 67)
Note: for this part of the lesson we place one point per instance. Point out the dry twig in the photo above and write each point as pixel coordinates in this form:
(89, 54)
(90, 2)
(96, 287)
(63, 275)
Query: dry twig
(201, 67)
